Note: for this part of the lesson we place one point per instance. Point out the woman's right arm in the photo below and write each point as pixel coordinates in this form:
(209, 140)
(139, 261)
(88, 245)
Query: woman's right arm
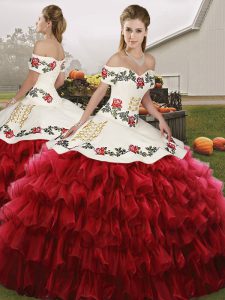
(92, 104)
(94, 101)
(96, 97)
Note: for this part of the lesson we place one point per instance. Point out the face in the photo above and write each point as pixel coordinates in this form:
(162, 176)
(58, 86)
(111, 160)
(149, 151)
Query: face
(41, 25)
(134, 32)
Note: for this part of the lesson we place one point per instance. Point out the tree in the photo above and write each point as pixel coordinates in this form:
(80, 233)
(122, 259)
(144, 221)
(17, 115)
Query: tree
(16, 50)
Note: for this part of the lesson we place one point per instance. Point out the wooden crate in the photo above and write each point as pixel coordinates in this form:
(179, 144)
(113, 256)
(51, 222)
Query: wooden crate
(176, 121)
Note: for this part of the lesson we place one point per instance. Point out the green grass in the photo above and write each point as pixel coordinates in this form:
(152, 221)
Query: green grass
(11, 295)
(206, 121)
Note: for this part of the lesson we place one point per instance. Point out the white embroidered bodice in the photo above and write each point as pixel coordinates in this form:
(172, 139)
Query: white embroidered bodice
(42, 114)
(49, 69)
(115, 133)
(128, 89)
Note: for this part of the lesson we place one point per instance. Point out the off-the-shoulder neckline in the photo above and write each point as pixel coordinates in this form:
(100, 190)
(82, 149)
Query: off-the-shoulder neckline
(48, 57)
(129, 70)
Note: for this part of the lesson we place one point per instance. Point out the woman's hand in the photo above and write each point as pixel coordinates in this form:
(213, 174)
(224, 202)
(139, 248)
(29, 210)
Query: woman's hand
(72, 130)
(163, 126)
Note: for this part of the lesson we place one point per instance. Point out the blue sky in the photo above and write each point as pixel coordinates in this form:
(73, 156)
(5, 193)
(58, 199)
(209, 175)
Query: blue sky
(93, 29)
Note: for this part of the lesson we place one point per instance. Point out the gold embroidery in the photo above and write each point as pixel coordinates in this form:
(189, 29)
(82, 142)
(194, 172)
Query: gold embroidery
(20, 114)
(134, 103)
(90, 131)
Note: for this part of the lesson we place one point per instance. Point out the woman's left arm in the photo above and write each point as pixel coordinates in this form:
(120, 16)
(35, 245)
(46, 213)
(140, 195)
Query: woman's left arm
(60, 80)
(148, 104)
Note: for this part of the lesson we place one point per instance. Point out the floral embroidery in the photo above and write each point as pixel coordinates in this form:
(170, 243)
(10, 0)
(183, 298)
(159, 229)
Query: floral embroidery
(34, 93)
(52, 65)
(123, 76)
(134, 103)
(150, 79)
(123, 115)
(90, 131)
(148, 151)
(131, 121)
(63, 143)
(134, 149)
(51, 130)
(104, 73)
(140, 82)
(128, 75)
(48, 98)
(117, 103)
(36, 62)
(171, 146)
(36, 130)
(100, 151)
(20, 114)
(63, 130)
(9, 134)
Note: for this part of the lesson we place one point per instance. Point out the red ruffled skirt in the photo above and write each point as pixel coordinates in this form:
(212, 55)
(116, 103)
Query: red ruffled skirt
(12, 161)
(78, 228)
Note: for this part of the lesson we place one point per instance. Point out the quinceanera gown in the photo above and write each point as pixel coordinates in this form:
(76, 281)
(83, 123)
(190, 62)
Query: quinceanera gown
(39, 117)
(115, 211)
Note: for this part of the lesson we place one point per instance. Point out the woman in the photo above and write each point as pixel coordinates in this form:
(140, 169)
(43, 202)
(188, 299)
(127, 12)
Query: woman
(115, 210)
(42, 115)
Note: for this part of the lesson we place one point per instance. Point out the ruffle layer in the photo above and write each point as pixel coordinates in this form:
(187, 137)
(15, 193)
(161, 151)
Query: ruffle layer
(78, 228)
(12, 160)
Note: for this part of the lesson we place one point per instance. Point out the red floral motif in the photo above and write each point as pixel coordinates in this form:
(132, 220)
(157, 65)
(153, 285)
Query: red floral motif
(63, 130)
(131, 121)
(36, 130)
(171, 145)
(104, 73)
(100, 151)
(140, 82)
(9, 134)
(35, 62)
(133, 148)
(52, 65)
(48, 98)
(117, 103)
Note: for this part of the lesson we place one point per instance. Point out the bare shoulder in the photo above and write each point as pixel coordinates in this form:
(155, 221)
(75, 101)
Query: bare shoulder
(49, 48)
(150, 61)
(115, 60)
(40, 47)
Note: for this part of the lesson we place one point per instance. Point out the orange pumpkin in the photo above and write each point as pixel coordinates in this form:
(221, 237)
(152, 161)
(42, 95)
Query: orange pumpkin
(79, 75)
(172, 108)
(70, 74)
(164, 109)
(142, 110)
(74, 74)
(219, 143)
(203, 145)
